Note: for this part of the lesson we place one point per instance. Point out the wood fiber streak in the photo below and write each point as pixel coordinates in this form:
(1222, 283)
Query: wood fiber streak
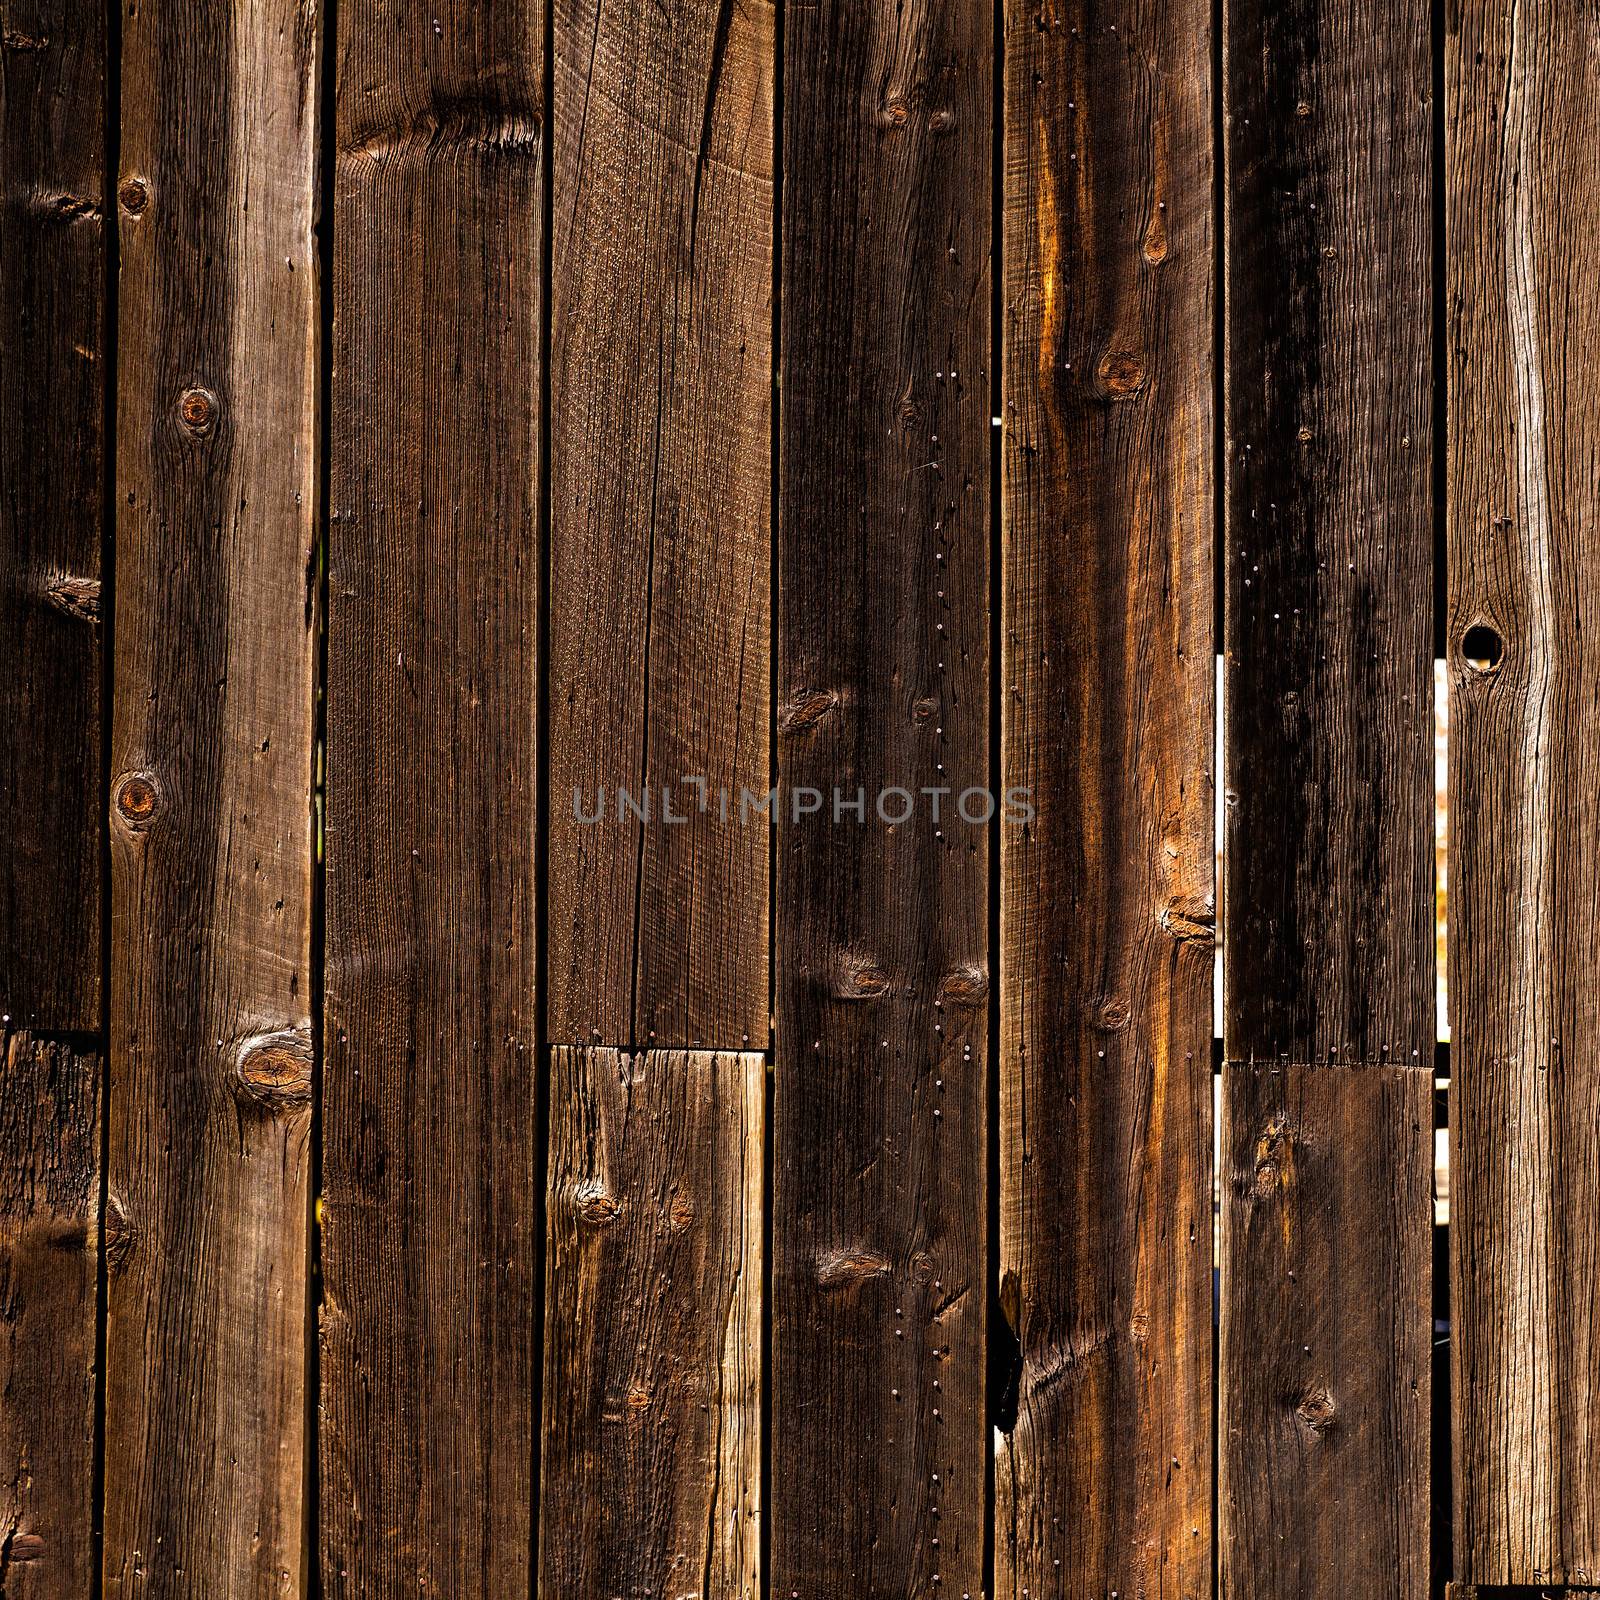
(1523, 331)
(52, 406)
(661, 456)
(211, 840)
(882, 949)
(1107, 898)
(1327, 1279)
(652, 1388)
(49, 1238)
(429, 1107)
(1329, 559)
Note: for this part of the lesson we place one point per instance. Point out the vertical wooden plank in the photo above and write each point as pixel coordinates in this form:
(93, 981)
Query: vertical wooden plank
(661, 389)
(1326, 1437)
(883, 674)
(429, 1107)
(652, 1389)
(52, 406)
(1329, 892)
(1524, 582)
(210, 798)
(1107, 895)
(49, 1210)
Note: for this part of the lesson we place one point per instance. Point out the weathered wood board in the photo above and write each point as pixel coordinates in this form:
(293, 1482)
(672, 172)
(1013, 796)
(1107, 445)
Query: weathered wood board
(652, 1384)
(882, 976)
(660, 506)
(49, 1250)
(208, 1177)
(429, 1107)
(1107, 900)
(1328, 900)
(1523, 335)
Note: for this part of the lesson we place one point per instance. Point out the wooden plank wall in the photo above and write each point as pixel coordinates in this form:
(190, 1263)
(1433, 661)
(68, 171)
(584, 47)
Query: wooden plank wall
(1328, 1026)
(1523, 336)
(424, 1170)
(1107, 898)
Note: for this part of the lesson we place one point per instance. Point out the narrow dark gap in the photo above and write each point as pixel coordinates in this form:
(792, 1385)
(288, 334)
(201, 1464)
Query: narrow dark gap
(1219, 645)
(1441, 419)
(327, 152)
(769, 1077)
(541, 803)
(112, 109)
(1000, 1336)
(1441, 1500)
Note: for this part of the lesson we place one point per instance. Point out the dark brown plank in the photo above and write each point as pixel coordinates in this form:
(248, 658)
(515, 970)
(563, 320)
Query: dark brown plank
(49, 1234)
(1328, 900)
(52, 468)
(1524, 584)
(652, 1388)
(52, 410)
(1329, 564)
(883, 681)
(212, 734)
(429, 1212)
(1107, 896)
(660, 531)
(52, 489)
(1327, 1220)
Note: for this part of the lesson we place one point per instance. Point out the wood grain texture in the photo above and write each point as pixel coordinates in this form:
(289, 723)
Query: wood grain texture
(883, 672)
(429, 1107)
(1328, 900)
(212, 733)
(1326, 1338)
(52, 410)
(1523, 334)
(652, 1389)
(1329, 564)
(49, 1237)
(661, 390)
(1107, 897)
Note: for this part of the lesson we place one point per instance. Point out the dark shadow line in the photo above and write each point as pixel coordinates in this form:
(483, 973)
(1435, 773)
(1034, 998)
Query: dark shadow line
(541, 819)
